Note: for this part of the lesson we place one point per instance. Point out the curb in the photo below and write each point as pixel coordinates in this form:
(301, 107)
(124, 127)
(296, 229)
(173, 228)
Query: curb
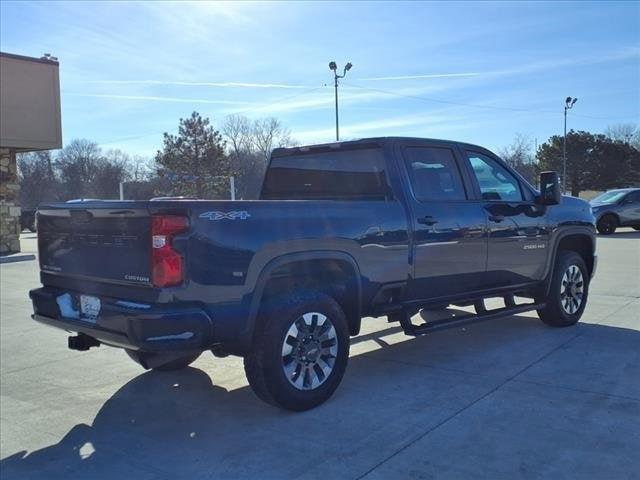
(17, 258)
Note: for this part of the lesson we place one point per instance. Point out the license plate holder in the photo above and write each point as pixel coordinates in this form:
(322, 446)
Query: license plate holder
(90, 308)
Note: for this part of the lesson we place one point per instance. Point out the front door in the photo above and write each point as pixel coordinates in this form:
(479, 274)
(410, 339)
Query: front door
(518, 233)
(449, 244)
(630, 209)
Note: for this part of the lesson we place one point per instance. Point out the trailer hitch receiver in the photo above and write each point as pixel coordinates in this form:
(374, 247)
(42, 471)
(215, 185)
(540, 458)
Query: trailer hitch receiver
(82, 342)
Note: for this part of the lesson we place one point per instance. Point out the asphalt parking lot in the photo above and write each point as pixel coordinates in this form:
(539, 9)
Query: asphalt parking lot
(510, 398)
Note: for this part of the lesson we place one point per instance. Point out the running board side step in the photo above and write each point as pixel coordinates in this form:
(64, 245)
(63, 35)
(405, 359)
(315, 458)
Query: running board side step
(427, 327)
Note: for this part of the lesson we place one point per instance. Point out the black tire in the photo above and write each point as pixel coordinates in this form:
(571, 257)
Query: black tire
(163, 362)
(264, 365)
(558, 311)
(607, 224)
(637, 227)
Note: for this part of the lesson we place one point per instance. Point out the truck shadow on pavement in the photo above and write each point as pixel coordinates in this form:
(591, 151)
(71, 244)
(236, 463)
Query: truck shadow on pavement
(182, 425)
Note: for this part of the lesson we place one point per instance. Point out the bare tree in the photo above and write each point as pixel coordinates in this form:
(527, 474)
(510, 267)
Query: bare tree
(249, 146)
(39, 182)
(77, 165)
(519, 156)
(86, 172)
(267, 134)
(624, 132)
(236, 130)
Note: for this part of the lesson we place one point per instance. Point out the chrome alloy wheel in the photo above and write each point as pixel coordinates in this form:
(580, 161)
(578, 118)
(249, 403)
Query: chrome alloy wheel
(309, 351)
(572, 290)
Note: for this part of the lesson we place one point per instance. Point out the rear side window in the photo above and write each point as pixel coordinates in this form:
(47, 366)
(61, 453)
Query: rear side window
(355, 174)
(434, 174)
(495, 181)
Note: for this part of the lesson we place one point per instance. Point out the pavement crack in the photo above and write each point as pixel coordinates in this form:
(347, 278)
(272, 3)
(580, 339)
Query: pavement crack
(577, 390)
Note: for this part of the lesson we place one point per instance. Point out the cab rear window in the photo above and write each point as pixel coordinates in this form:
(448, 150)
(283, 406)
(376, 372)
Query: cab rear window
(353, 174)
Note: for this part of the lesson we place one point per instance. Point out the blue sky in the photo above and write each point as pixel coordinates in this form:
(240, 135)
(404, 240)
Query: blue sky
(129, 71)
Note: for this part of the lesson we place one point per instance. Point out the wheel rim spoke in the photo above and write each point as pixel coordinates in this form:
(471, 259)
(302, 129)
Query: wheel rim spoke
(572, 289)
(309, 351)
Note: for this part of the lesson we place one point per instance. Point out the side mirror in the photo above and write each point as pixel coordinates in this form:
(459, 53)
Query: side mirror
(549, 189)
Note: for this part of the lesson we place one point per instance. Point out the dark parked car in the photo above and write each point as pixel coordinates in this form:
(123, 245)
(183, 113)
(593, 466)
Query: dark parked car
(375, 227)
(617, 208)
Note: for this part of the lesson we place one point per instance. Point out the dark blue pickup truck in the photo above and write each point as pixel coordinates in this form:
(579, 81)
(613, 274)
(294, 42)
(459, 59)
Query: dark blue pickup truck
(374, 227)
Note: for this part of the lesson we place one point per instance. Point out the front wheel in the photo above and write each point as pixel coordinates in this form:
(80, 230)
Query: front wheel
(568, 291)
(300, 351)
(607, 224)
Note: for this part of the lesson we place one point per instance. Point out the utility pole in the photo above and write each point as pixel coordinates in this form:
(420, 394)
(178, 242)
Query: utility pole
(334, 68)
(568, 105)
(232, 187)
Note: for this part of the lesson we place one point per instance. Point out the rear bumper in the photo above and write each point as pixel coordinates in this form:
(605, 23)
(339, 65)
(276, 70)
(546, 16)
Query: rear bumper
(136, 326)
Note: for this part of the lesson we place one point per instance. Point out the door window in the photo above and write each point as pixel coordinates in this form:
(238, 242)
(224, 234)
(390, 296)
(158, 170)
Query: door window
(632, 198)
(434, 174)
(495, 181)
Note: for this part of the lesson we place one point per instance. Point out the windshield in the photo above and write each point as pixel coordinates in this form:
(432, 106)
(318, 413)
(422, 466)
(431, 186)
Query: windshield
(609, 197)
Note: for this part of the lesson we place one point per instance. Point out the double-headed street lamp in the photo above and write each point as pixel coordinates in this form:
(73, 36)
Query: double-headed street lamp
(568, 105)
(334, 68)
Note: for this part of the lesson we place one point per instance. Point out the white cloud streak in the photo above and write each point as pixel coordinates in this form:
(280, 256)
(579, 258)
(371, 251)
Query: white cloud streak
(199, 84)
(436, 120)
(430, 75)
(159, 99)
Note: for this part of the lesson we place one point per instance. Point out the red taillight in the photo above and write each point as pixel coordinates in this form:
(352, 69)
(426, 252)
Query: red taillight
(166, 263)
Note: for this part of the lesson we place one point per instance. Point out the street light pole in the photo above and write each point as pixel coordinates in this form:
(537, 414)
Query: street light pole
(334, 67)
(568, 105)
(335, 86)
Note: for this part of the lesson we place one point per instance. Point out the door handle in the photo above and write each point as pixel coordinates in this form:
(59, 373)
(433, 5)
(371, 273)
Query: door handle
(496, 218)
(427, 220)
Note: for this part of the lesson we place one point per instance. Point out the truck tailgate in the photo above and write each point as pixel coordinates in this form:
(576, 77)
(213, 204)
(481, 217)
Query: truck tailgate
(108, 242)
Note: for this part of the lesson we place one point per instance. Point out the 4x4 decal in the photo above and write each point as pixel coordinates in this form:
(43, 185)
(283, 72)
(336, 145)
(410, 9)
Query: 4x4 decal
(235, 215)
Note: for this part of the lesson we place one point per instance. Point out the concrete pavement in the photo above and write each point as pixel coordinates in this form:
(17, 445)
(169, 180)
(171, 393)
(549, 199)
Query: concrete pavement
(510, 398)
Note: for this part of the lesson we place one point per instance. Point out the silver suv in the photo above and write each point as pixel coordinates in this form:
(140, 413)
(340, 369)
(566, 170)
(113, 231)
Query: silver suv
(617, 208)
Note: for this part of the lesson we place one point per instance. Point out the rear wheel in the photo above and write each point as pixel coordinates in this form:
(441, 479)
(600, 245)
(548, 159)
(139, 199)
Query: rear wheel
(300, 351)
(164, 362)
(568, 291)
(607, 224)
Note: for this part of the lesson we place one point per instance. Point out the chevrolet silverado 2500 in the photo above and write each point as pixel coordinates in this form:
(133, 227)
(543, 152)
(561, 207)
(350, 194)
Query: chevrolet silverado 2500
(342, 231)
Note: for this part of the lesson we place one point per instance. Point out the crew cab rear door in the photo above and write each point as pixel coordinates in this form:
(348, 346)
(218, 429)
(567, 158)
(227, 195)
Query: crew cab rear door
(518, 227)
(449, 239)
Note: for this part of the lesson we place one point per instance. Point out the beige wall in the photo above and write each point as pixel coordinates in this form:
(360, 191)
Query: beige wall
(29, 120)
(29, 103)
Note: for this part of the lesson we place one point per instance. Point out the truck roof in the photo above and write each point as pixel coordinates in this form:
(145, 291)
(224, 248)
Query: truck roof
(379, 141)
